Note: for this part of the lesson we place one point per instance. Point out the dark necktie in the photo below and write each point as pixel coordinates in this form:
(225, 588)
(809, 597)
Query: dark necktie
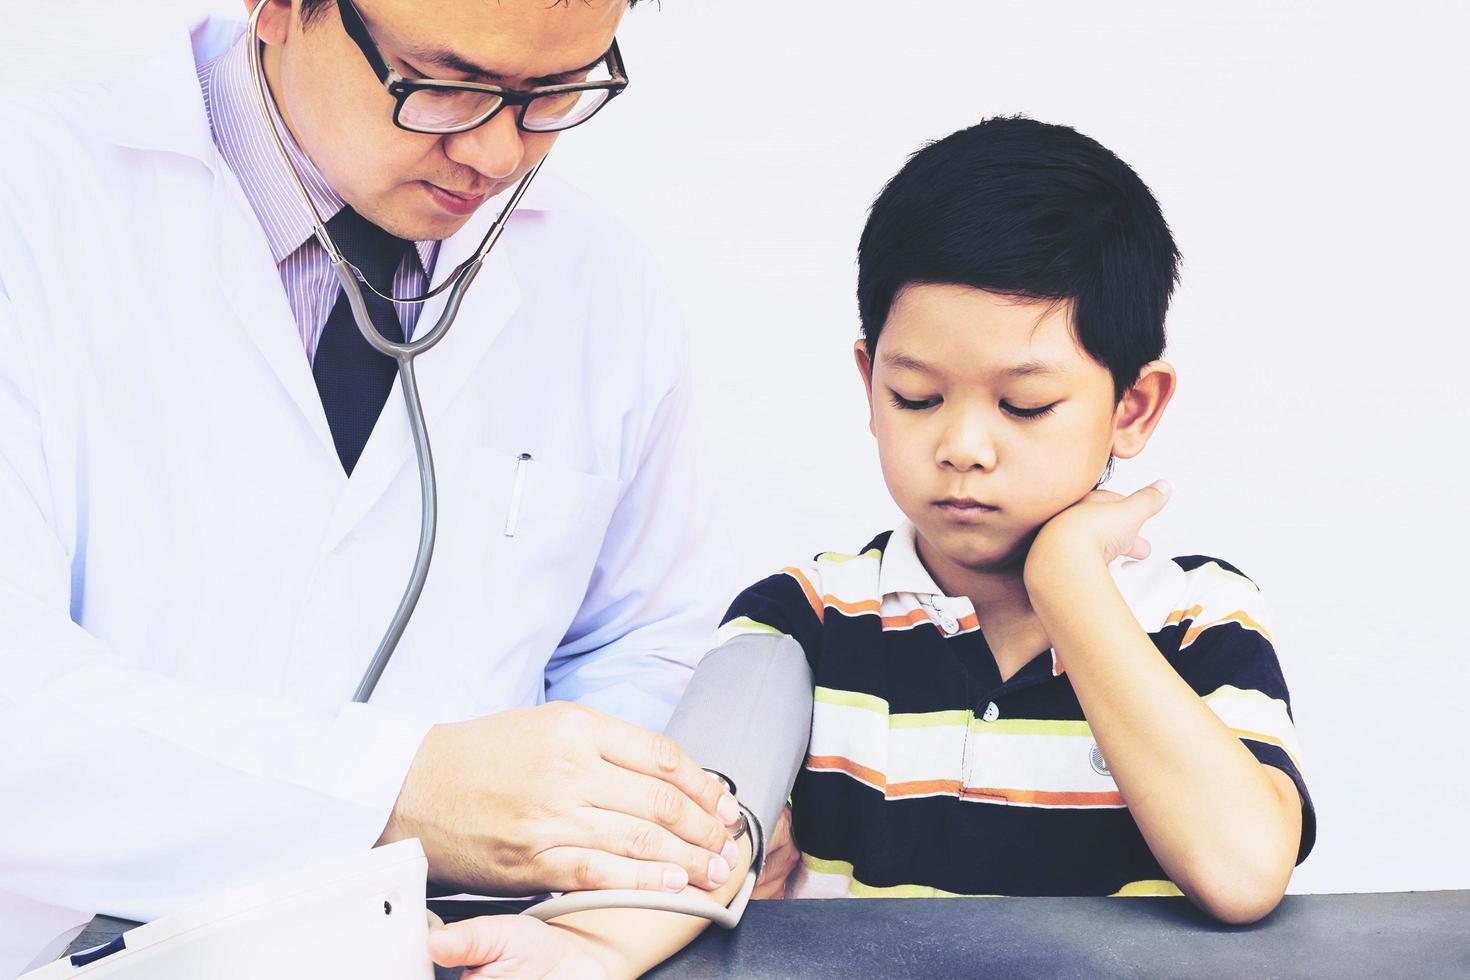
(352, 378)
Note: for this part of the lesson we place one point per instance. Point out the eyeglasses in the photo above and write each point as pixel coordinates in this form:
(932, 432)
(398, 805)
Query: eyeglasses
(441, 106)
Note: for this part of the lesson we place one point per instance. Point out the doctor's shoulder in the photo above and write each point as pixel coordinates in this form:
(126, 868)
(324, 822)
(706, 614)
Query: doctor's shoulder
(592, 242)
(60, 172)
(606, 276)
(51, 133)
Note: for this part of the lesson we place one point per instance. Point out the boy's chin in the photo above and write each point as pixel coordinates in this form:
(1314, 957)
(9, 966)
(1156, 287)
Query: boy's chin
(979, 553)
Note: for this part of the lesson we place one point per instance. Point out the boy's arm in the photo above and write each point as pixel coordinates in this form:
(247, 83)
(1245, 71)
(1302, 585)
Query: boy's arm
(1223, 826)
(610, 943)
(746, 714)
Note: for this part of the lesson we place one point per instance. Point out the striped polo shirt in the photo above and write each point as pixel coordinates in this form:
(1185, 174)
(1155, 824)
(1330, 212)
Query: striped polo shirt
(926, 775)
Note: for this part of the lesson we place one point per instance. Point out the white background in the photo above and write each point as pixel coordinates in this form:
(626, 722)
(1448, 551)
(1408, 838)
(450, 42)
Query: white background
(1310, 158)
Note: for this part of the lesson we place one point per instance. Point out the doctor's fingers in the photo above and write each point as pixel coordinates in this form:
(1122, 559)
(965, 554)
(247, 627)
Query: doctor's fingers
(572, 869)
(631, 837)
(629, 747)
(656, 802)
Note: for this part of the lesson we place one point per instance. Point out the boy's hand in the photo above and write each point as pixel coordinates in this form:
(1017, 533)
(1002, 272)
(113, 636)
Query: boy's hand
(782, 858)
(518, 946)
(1102, 524)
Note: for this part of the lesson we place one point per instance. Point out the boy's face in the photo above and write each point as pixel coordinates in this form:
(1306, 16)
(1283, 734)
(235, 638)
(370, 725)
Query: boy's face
(990, 420)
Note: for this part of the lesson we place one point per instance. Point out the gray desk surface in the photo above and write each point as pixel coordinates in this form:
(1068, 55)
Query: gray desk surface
(1401, 934)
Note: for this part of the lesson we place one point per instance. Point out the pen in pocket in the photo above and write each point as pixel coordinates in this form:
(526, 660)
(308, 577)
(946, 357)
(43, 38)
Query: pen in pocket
(517, 488)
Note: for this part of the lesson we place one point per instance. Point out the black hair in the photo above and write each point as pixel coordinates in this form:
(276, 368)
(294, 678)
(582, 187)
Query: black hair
(312, 9)
(1033, 210)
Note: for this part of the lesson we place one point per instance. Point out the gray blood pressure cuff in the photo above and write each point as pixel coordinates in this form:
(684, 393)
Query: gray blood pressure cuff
(748, 714)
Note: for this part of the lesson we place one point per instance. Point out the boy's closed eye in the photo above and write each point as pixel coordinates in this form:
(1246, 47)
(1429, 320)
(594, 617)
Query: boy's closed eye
(1018, 411)
(914, 404)
(1028, 413)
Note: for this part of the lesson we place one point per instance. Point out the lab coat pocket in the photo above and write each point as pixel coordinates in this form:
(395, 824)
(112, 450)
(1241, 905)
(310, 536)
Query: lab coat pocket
(511, 597)
(548, 521)
(515, 511)
(546, 498)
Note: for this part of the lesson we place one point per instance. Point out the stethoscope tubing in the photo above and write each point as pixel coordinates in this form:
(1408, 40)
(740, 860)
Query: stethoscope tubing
(691, 903)
(403, 353)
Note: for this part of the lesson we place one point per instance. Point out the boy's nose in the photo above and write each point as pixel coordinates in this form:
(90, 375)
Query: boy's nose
(495, 149)
(967, 444)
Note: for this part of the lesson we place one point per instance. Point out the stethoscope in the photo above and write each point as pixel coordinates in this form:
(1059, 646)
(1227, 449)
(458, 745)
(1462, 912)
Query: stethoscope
(403, 354)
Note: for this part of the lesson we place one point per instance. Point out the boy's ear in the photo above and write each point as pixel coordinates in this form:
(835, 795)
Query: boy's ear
(1141, 408)
(865, 368)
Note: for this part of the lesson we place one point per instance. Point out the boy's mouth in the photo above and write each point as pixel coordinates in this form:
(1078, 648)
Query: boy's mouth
(964, 507)
(965, 502)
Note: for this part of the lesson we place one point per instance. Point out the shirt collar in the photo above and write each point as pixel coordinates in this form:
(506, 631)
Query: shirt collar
(1152, 588)
(246, 145)
(900, 569)
(248, 149)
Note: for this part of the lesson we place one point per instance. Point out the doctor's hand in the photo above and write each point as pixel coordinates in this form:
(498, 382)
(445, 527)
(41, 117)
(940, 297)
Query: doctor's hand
(562, 798)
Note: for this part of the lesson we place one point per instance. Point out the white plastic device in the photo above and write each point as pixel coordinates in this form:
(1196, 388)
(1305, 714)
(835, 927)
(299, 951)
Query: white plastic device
(362, 917)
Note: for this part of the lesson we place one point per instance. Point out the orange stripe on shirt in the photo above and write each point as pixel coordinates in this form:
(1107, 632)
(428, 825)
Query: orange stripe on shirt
(924, 787)
(876, 779)
(851, 608)
(1261, 737)
(1180, 615)
(919, 615)
(1239, 616)
(1043, 797)
(819, 603)
(806, 587)
(837, 763)
(953, 787)
(904, 621)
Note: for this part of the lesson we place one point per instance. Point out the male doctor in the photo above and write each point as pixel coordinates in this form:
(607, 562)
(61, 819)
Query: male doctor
(209, 503)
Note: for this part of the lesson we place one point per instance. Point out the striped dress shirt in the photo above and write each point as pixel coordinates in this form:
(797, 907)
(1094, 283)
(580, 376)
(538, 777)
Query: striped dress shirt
(306, 271)
(928, 775)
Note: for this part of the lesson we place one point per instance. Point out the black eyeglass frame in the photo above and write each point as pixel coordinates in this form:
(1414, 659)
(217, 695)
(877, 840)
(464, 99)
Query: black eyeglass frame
(401, 88)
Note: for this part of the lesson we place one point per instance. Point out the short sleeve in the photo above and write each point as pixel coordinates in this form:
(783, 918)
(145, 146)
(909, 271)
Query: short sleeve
(787, 603)
(1218, 641)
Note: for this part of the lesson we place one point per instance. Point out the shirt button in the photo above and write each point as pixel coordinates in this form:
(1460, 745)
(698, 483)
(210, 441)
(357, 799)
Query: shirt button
(991, 712)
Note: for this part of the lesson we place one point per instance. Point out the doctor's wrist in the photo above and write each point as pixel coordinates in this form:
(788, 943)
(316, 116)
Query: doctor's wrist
(411, 815)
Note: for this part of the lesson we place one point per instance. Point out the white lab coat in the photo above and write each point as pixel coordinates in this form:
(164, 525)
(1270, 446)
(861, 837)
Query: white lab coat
(190, 587)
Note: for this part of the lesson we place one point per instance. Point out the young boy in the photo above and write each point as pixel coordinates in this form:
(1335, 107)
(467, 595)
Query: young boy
(997, 710)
